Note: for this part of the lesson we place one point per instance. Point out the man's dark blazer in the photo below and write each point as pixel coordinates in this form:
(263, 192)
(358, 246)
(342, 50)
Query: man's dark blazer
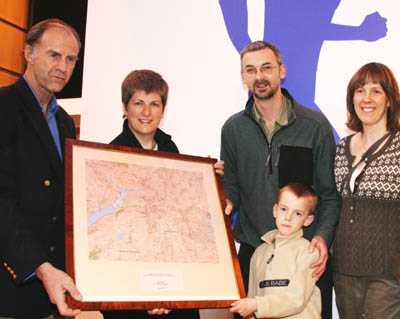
(31, 200)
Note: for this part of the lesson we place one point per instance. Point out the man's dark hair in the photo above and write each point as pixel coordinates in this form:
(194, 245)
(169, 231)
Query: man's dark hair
(261, 45)
(36, 31)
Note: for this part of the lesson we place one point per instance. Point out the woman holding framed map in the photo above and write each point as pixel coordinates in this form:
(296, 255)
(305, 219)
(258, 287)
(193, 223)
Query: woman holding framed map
(144, 97)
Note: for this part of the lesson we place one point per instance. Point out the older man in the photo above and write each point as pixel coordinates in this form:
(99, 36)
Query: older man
(275, 140)
(33, 128)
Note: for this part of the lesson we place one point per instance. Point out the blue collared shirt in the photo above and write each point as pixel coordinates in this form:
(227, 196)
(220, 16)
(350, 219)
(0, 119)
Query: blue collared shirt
(52, 109)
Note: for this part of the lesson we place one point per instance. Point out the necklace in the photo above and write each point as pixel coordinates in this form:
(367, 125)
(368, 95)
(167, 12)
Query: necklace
(365, 145)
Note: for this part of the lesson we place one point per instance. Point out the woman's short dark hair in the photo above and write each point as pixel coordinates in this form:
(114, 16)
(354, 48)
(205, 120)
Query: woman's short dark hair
(376, 73)
(146, 80)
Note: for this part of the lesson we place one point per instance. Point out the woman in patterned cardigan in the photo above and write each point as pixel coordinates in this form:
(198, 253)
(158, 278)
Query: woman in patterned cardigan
(367, 171)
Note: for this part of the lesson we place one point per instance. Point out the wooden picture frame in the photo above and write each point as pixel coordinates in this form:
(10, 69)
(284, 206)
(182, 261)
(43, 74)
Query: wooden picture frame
(147, 229)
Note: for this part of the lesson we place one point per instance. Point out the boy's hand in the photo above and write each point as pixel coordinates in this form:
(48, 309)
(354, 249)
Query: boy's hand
(157, 311)
(244, 307)
(319, 243)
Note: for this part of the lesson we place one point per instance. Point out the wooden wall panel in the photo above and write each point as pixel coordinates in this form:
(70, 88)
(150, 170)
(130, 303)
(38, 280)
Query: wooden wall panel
(11, 43)
(77, 122)
(15, 11)
(7, 78)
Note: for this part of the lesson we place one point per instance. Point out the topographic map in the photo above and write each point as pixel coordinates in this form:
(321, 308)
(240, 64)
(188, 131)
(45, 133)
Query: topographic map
(148, 214)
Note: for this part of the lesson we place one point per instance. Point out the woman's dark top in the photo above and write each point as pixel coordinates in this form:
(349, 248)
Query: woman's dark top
(127, 138)
(368, 235)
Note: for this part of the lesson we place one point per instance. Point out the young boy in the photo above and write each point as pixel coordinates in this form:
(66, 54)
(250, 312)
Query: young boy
(281, 283)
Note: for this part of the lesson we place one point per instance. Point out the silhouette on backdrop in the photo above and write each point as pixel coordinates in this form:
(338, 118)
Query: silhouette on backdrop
(299, 28)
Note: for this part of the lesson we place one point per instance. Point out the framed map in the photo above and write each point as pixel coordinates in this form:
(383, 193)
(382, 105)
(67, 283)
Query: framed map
(146, 229)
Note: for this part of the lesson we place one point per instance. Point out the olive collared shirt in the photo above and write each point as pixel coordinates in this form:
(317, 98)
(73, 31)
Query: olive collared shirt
(281, 120)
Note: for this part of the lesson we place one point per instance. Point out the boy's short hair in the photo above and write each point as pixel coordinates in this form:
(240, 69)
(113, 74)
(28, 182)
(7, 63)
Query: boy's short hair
(301, 191)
